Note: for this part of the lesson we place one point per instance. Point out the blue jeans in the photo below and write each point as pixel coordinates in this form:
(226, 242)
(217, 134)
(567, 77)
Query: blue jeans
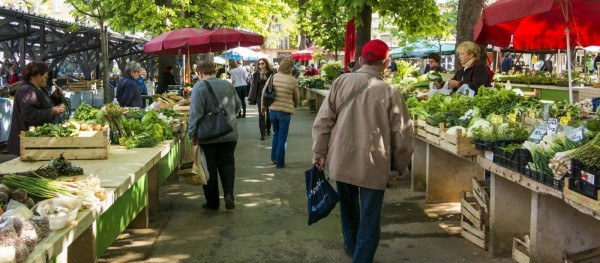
(281, 126)
(360, 213)
(241, 91)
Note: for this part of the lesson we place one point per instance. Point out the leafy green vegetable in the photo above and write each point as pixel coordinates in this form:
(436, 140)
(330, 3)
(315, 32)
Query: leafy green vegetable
(51, 130)
(86, 112)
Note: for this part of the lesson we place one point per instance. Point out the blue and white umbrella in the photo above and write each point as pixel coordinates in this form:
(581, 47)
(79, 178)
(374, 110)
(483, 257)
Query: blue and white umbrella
(242, 53)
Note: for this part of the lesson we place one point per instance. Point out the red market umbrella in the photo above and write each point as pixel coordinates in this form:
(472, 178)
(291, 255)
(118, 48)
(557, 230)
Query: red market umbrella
(225, 38)
(302, 55)
(540, 24)
(350, 45)
(175, 42)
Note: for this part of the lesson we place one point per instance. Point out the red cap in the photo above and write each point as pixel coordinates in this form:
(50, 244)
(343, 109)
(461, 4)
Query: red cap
(375, 50)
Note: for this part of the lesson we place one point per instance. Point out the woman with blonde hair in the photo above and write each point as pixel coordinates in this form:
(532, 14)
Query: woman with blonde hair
(280, 111)
(259, 80)
(470, 76)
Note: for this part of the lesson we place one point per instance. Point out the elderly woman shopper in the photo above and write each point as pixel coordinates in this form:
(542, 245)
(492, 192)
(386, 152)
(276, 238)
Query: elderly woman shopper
(239, 82)
(219, 152)
(286, 99)
(128, 92)
(33, 104)
(259, 80)
(470, 76)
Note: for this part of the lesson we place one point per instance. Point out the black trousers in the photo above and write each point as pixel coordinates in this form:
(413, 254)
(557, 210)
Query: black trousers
(264, 122)
(220, 160)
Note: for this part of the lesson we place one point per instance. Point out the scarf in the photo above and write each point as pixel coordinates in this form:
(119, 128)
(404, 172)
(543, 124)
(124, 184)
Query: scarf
(469, 63)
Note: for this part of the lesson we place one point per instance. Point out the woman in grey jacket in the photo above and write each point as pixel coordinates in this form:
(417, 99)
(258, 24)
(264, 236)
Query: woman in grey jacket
(219, 152)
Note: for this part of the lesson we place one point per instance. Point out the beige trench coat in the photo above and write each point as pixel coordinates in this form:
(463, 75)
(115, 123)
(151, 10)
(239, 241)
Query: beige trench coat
(360, 142)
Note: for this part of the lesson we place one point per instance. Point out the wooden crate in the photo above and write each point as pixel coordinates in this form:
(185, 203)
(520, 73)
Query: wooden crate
(473, 221)
(89, 145)
(181, 108)
(590, 255)
(84, 85)
(581, 199)
(433, 134)
(481, 192)
(458, 144)
(520, 251)
(421, 127)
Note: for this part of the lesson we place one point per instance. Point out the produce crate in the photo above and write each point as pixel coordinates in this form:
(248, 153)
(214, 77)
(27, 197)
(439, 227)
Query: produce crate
(516, 161)
(583, 188)
(483, 146)
(433, 134)
(520, 251)
(481, 192)
(180, 108)
(575, 193)
(473, 221)
(84, 85)
(421, 127)
(89, 145)
(583, 172)
(458, 144)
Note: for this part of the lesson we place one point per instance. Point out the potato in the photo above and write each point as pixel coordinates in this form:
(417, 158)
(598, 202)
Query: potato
(84, 127)
(98, 127)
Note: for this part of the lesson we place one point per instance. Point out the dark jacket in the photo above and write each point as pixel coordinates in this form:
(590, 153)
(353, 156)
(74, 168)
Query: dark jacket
(128, 93)
(32, 107)
(475, 76)
(257, 87)
(164, 80)
(220, 72)
(438, 69)
(507, 64)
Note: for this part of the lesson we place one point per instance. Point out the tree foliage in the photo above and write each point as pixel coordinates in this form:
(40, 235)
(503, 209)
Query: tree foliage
(325, 28)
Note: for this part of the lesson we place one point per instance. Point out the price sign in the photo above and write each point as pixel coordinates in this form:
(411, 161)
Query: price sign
(576, 135)
(512, 118)
(564, 120)
(497, 119)
(532, 114)
(552, 124)
(539, 132)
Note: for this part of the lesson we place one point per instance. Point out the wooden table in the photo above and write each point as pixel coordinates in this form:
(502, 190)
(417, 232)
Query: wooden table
(518, 205)
(131, 178)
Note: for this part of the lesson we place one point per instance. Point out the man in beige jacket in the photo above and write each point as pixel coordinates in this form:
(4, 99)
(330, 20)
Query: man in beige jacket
(362, 125)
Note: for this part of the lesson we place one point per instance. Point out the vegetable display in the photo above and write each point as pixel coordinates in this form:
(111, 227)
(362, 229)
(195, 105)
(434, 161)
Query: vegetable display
(52, 130)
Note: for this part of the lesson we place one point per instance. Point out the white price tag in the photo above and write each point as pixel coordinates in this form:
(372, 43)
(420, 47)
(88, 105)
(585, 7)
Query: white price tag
(552, 124)
(539, 132)
(467, 115)
(576, 135)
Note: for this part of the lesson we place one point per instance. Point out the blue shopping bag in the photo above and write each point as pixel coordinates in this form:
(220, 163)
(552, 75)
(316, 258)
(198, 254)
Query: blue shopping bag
(321, 196)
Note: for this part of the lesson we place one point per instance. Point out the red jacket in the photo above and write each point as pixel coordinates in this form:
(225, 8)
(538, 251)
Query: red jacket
(312, 72)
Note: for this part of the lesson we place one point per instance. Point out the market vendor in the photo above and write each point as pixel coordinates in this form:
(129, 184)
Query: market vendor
(433, 64)
(33, 104)
(165, 79)
(128, 93)
(469, 77)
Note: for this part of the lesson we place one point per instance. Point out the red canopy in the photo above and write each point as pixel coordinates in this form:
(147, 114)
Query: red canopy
(225, 38)
(175, 42)
(539, 24)
(303, 54)
(350, 45)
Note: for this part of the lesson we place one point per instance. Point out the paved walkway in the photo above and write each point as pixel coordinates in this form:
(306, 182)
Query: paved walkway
(269, 222)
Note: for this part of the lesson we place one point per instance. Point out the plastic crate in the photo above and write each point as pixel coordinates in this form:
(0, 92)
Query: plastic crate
(595, 103)
(524, 157)
(484, 146)
(583, 188)
(583, 172)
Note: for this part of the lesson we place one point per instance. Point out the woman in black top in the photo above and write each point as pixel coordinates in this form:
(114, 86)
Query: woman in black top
(33, 104)
(473, 73)
(259, 80)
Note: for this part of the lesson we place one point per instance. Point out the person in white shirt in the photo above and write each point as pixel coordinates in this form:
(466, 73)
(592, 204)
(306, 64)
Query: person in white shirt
(239, 82)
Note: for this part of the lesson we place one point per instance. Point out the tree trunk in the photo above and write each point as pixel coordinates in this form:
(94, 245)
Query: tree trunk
(302, 44)
(363, 32)
(105, 63)
(468, 13)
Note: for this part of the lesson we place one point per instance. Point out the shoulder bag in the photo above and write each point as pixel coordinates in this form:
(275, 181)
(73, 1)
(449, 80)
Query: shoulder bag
(214, 123)
(352, 97)
(269, 94)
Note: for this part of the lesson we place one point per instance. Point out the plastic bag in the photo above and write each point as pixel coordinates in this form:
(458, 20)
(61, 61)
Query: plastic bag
(322, 198)
(196, 171)
(17, 209)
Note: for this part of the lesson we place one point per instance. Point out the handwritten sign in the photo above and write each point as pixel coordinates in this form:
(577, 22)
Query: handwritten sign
(552, 124)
